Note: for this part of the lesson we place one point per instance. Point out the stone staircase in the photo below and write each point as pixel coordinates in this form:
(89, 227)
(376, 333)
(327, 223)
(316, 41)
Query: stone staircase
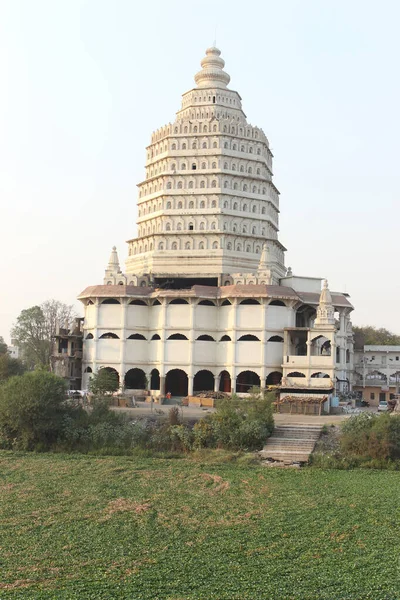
(291, 443)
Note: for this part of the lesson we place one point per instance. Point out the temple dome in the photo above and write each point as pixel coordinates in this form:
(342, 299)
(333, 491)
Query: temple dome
(212, 73)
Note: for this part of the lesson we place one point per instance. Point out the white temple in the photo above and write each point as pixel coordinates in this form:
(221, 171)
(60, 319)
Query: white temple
(205, 301)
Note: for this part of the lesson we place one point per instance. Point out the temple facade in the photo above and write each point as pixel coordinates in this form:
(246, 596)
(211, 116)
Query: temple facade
(205, 301)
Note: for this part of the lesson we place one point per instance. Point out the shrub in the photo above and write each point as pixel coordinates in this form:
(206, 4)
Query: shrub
(372, 437)
(32, 410)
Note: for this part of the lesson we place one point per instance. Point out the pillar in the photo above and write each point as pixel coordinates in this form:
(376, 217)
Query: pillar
(190, 385)
(216, 383)
(162, 385)
(122, 368)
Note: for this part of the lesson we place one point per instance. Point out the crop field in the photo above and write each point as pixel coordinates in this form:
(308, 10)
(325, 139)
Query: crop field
(80, 527)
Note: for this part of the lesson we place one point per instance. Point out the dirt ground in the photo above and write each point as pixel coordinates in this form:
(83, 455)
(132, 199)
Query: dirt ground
(193, 412)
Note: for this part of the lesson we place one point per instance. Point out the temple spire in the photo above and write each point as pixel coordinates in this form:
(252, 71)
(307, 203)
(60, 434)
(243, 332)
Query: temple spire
(113, 263)
(325, 310)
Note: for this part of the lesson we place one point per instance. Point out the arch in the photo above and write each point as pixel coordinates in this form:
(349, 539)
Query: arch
(246, 380)
(156, 303)
(320, 375)
(277, 303)
(89, 336)
(249, 338)
(109, 336)
(177, 336)
(136, 336)
(155, 337)
(296, 374)
(226, 302)
(135, 379)
(203, 381)
(205, 338)
(206, 303)
(225, 382)
(155, 379)
(274, 378)
(90, 301)
(225, 338)
(111, 301)
(250, 301)
(88, 370)
(176, 382)
(138, 302)
(179, 301)
(275, 338)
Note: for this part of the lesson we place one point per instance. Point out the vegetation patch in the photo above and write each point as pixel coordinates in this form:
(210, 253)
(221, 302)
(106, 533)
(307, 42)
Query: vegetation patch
(120, 527)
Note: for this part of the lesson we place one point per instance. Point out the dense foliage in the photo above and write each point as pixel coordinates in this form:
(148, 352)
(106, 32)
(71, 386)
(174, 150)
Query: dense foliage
(10, 367)
(32, 410)
(104, 382)
(365, 440)
(370, 336)
(36, 327)
(82, 527)
(3, 346)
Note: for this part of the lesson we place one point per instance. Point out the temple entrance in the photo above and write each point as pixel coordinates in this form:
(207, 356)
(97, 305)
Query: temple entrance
(155, 380)
(274, 378)
(135, 379)
(176, 382)
(225, 382)
(246, 380)
(203, 381)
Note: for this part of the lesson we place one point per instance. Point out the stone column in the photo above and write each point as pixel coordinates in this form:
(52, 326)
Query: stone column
(216, 383)
(263, 353)
(190, 385)
(192, 368)
(122, 367)
(163, 341)
(96, 333)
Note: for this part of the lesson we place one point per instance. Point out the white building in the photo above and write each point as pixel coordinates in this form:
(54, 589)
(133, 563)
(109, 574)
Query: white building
(377, 373)
(206, 301)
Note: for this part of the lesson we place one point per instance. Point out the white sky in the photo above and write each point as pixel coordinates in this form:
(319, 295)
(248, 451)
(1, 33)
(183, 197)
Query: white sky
(84, 83)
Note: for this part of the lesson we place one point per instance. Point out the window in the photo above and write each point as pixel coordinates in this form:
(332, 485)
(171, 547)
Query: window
(214, 183)
(201, 246)
(168, 205)
(190, 226)
(168, 227)
(372, 396)
(214, 165)
(187, 246)
(190, 185)
(229, 247)
(179, 204)
(183, 146)
(169, 185)
(203, 165)
(215, 145)
(194, 167)
(183, 167)
(174, 246)
(202, 204)
(173, 147)
(202, 184)
(215, 245)
(204, 145)
(179, 185)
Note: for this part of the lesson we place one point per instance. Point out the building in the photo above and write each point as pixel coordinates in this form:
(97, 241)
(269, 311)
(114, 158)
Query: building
(66, 359)
(14, 351)
(205, 301)
(377, 373)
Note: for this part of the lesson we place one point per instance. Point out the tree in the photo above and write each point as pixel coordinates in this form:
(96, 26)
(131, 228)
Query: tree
(3, 346)
(104, 382)
(32, 410)
(369, 335)
(35, 330)
(10, 367)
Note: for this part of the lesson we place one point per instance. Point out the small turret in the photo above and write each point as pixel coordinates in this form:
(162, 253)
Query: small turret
(113, 269)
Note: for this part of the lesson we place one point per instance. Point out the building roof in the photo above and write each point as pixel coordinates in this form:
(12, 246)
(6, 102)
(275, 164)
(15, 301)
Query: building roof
(381, 349)
(205, 291)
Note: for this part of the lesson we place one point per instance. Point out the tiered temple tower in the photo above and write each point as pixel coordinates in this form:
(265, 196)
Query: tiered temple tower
(208, 211)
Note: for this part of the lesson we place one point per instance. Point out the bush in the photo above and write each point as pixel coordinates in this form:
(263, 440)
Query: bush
(372, 437)
(32, 410)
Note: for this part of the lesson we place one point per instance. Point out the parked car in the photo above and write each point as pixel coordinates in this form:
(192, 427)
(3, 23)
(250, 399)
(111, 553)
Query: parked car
(382, 406)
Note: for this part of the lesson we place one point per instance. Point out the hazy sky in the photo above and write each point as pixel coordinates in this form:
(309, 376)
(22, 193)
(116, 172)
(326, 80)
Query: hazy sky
(84, 83)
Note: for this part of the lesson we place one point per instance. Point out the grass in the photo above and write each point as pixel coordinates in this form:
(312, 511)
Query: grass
(204, 528)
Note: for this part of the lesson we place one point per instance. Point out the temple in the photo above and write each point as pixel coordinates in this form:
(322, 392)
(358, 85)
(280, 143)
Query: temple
(205, 301)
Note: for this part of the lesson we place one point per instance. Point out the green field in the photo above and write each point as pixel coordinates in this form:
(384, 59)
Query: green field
(146, 529)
